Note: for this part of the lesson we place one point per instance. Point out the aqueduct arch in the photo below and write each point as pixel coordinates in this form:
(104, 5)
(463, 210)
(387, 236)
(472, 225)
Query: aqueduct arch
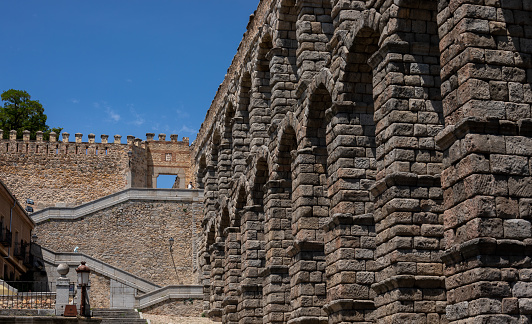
(397, 164)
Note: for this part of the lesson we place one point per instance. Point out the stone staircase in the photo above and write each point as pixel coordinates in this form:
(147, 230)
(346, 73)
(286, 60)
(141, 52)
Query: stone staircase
(114, 316)
(73, 213)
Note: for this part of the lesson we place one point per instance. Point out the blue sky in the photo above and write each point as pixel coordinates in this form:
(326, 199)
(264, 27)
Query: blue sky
(124, 67)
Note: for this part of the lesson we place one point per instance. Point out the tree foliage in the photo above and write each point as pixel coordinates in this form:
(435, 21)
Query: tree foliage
(21, 113)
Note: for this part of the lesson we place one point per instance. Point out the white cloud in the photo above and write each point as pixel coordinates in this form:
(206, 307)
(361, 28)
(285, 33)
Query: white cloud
(129, 80)
(138, 120)
(182, 114)
(188, 130)
(75, 101)
(112, 114)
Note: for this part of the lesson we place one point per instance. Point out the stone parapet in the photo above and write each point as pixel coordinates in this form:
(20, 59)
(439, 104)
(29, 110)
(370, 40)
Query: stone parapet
(73, 260)
(72, 213)
(169, 293)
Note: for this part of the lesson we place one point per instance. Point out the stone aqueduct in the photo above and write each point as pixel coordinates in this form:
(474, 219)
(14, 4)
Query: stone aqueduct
(370, 162)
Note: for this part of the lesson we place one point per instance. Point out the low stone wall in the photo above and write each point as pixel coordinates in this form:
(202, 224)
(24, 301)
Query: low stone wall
(133, 236)
(100, 293)
(48, 320)
(27, 312)
(184, 308)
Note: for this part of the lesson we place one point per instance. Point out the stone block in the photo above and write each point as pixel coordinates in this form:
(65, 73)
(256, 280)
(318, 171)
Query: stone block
(517, 228)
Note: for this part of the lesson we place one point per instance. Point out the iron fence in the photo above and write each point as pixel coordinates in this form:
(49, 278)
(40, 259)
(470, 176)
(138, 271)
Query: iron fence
(17, 250)
(5, 236)
(26, 295)
(20, 250)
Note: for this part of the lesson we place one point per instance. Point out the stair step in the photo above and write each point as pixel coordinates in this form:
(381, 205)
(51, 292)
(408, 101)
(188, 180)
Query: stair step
(116, 316)
(123, 320)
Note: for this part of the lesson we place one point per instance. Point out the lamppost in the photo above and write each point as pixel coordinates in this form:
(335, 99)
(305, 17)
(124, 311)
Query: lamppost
(83, 280)
(171, 241)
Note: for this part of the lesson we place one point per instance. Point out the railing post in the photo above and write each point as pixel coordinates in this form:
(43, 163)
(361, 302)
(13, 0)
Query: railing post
(62, 289)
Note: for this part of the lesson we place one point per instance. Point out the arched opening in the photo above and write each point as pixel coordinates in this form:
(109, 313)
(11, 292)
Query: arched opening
(230, 267)
(241, 128)
(352, 171)
(202, 169)
(206, 264)
(259, 109)
(277, 228)
(408, 115)
(353, 160)
(261, 177)
(283, 63)
(224, 223)
(226, 152)
(168, 181)
(211, 178)
(253, 246)
(310, 209)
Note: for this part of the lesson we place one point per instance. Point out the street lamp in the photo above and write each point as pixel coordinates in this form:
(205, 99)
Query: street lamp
(171, 241)
(83, 280)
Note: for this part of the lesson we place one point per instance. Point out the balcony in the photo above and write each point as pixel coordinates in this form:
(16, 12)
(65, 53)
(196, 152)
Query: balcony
(5, 236)
(19, 250)
(28, 256)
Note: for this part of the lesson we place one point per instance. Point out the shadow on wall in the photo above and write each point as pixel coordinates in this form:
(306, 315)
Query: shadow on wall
(36, 270)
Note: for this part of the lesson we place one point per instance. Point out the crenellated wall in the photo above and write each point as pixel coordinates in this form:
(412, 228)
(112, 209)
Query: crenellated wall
(168, 157)
(69, 173)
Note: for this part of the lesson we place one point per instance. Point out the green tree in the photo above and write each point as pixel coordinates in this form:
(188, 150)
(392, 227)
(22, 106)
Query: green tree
(21, 113)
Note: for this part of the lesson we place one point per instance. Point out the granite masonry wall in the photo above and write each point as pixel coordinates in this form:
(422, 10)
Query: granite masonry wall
(100, 293)
(133, 236)
(185, 308)
(370, 162)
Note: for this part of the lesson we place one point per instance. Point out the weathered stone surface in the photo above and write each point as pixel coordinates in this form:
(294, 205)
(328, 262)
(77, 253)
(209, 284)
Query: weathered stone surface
(401, 160)
(71, 173)
(133, 236)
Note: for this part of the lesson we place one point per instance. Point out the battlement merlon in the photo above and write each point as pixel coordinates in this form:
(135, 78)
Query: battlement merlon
(131, 140)
(162, 138)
